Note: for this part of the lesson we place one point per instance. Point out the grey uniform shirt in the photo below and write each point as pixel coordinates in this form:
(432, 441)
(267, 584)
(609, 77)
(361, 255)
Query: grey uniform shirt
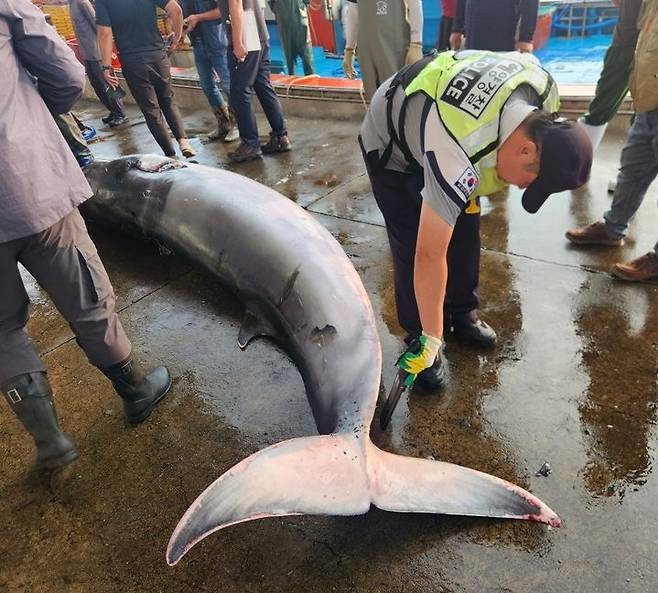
(83, 17)
(449, 177)
(40, 181)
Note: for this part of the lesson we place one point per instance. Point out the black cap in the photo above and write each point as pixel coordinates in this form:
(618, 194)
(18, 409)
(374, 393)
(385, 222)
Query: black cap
(565, 163)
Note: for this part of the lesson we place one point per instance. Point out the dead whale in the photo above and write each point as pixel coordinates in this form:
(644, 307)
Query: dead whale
(299, 287)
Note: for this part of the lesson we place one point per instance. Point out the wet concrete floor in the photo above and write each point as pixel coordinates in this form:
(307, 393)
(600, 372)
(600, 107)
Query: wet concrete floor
(573, 382)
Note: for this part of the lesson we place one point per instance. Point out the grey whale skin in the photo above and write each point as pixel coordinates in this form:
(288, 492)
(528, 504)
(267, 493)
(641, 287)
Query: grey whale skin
(298, 286)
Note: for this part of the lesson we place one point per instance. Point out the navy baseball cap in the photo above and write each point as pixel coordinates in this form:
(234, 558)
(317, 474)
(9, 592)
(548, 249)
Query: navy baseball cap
(565, 163)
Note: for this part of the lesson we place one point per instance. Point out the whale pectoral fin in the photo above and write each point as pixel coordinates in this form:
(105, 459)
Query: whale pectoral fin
(319, 475)
(252, 327)
(406, 484)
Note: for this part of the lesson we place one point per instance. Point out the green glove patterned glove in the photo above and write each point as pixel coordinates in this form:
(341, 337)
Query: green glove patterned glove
(420, 355)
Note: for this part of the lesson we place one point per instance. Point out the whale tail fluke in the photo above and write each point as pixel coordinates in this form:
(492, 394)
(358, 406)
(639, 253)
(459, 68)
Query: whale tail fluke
(412, 485)
(339, 474)
(318, 475)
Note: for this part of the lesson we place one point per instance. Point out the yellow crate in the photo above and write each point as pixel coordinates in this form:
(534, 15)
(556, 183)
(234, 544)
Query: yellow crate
(61, 18)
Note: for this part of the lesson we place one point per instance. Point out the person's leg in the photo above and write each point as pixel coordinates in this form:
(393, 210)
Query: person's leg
(17, 353)
(462, 299)
(464, 265)
(267, 97)
(95, 75)
(398, 198)
(243, 75)
(139, 82)
(160, 76)
(639, 167)
(204, 66)
(219, 60)
(73, 136)
(23, 380)
(286, 45)
(64, 261)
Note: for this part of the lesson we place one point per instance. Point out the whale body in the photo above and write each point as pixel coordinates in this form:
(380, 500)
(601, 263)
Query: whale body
(299, 287)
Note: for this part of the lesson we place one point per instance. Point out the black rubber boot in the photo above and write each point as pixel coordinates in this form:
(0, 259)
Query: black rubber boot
(140, 392)
(468, 329)
(31, 399)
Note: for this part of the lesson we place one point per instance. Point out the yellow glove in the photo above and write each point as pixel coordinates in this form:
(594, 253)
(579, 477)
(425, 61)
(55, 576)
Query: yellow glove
(420, 355)
(348, 63)
(414, 53)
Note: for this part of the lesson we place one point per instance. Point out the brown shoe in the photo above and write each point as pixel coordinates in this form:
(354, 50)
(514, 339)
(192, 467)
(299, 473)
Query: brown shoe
(593, 234)
(276, 144)
(641, 268)
(244, 152)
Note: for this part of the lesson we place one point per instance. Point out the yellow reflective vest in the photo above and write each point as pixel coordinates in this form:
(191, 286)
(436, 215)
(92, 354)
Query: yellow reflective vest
(470, 90)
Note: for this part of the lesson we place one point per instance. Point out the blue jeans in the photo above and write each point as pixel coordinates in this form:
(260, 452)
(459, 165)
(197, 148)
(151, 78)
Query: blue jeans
(207, 64)
(253, 75)
(639, 167)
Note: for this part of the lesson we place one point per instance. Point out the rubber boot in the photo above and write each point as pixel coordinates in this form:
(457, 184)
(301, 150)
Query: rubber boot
(221, 115)
(31, 399)
(233, 133)
(140, 392)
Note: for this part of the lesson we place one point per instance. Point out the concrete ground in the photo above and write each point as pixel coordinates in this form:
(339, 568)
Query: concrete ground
(573, 382)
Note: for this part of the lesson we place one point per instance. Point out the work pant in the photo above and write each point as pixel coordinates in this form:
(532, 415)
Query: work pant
(612, 86)
(398, 197)
(207, 65)
(294, 34)
(64, 261)
(68, 126)
(150, 84)
(639, 167)
(97, 81)
(253, 75)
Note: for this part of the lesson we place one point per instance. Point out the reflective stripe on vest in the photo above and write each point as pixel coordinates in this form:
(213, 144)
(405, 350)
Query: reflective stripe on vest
(470, 89)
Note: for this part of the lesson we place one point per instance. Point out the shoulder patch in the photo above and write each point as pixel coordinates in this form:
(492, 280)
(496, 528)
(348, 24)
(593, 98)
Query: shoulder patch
(467, 182)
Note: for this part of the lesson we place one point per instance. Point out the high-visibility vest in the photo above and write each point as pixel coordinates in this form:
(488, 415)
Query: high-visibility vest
(470, 90)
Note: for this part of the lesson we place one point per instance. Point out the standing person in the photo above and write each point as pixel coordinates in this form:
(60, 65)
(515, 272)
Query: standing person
(387, 34)
(292, 22)
(144, 62)
(207, 34)
(448, 13)
(436, 134)
(249, 62)
(83, 17)
(493, 24)
(612, 86)
(639, 158)
(41, 228)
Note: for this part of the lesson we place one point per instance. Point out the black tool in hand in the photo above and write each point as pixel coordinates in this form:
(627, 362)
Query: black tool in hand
(399, 385)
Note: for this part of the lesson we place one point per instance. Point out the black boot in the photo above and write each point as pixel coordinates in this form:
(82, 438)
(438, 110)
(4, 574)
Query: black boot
(140, 392)
(468, 329)
(31, 399)
(435, 377)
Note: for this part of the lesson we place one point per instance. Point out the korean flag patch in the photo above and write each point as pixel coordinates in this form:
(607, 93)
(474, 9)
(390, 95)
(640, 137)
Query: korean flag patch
(467, 183)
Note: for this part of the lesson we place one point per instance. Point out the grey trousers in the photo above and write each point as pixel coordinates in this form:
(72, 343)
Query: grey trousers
(64, 261)
(639, 167)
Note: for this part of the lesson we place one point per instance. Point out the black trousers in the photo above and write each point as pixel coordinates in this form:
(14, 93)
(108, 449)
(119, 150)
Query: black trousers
(95, 75)
(150, 84)
(248, 77)
(445, 29)
(398, 197)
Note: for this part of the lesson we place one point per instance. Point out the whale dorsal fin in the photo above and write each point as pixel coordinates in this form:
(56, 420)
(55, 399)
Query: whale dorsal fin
(252, 327)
